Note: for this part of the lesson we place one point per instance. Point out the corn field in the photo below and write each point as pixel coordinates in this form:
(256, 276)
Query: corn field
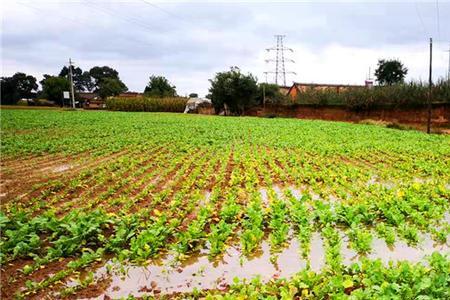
(413, 94)
(172, 104)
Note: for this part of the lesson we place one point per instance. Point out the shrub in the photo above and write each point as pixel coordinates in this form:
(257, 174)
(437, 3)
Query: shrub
(172, 104)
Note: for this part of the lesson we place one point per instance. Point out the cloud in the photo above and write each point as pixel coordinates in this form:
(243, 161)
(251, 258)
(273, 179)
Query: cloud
(188, 42)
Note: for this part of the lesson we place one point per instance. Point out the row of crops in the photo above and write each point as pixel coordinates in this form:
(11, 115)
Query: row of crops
(89, 191)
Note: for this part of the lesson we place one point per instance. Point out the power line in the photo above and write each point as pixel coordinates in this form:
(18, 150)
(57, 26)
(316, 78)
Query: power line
(135, 21)
(178, 17)
(160, 8)
(438, 19)
(128, 19)
(420, 18)
(280, 69)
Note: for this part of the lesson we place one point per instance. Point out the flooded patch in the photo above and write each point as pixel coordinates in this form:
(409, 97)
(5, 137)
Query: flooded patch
(278, 191)
(447, 217)
(198, 272)
(376, 180)
(206, 198)
(400, 250)
(317, 252)
(62, 168)
(297, 193)
(168, 276)
(264, 197)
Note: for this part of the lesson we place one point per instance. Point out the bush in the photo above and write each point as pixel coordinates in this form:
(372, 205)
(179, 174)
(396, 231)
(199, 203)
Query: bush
(172, 104)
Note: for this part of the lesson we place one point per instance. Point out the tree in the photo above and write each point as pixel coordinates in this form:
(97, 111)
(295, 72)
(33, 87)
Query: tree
(390, 72)
(53, 88)
(235, 90)
(111, 87)
(106, 81)
(100, 73)
(159, 86)
(193, 95)
(82, 81)
(19, 86)
(272, 93)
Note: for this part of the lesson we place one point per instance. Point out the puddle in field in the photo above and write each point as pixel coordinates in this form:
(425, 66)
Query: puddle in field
(278, 191)
(447, 217)
(265, 194)
(295, 192)
(400, 250)
(376, 180)
(62, 168)
(205, 199)
(264, 197)
(198, 272)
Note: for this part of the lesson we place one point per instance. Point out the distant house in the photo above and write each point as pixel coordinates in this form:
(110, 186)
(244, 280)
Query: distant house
(130, 95)
(85, 96)
(298, 87)
(93, 101)
(90, 100)
(284, 90)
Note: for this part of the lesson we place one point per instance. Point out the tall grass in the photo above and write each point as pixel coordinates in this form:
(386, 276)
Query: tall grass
(413, 94)
(172, 104)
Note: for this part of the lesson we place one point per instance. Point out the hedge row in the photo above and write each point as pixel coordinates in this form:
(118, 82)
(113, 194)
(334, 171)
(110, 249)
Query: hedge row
(173, 104)
(414, 94)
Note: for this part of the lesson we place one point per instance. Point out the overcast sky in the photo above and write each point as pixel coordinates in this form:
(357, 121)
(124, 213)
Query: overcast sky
(189, 41)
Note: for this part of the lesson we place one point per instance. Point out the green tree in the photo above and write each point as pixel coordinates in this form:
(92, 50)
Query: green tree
(82, 81)
(19, 86)
(111, 87)
(100, 73)
(106, 81)
(53, 88)
(159, 86)
(193, 95)
(390, 72)
(235, 90)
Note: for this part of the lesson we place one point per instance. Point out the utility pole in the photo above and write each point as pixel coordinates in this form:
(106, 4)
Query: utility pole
(430, 86)
(280, 68)
(71, 83)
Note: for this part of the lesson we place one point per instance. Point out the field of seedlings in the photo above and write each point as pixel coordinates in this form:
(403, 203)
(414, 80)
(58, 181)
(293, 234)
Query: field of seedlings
(109, 205)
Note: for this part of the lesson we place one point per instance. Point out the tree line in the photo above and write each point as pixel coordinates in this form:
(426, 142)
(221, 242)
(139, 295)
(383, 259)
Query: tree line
(103, 81)
(230, 91)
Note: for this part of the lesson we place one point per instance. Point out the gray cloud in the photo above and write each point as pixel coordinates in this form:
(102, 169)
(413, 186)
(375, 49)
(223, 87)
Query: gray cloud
(189, 42)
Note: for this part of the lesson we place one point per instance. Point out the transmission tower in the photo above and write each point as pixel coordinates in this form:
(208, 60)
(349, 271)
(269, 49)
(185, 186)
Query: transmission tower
(280, 60)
